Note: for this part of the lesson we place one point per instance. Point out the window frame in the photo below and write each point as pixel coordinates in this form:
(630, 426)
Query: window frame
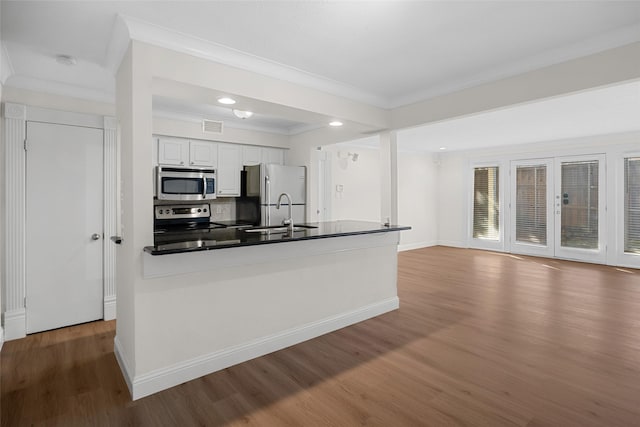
(479, 243)
(624, 259)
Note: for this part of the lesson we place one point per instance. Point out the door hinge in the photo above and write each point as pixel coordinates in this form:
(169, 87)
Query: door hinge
(25, 302)
(25, 144)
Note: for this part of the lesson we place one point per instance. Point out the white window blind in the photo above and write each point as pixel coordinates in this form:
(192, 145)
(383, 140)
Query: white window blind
(579, 205)
(531, 204)
(632, 205)
(486, 203)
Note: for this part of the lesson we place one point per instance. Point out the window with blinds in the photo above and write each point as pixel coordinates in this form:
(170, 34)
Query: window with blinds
(486, 203)
(632, 205)
(531, 204)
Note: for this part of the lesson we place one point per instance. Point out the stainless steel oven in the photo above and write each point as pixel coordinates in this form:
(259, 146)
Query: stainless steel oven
(185, 183)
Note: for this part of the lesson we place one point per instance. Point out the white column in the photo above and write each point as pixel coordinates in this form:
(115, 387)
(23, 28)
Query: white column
(15, 117)
(389, 177)
(110, 199)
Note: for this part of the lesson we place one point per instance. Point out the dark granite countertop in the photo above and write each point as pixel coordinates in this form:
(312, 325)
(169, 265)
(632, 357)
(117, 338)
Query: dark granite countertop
(219, 238)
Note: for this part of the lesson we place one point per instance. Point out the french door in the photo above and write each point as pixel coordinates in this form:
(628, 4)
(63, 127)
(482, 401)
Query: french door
(558, 207)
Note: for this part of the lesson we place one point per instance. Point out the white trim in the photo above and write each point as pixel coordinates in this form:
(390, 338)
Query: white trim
(620, 257)
(109, 219)
(452, 243)
(15, 220)
(416, 245)
(162, 379)
(1, 337)
(170, 39)
(16, 117)
(127, 373)
(109, 307)
(493, 245)
(15, 324)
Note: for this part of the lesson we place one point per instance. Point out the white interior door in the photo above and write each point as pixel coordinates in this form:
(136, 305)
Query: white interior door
(580, 208)
(532, 225)
(64, 204)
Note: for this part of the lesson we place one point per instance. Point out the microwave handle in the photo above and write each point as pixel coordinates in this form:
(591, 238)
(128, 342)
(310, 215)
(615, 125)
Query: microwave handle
(267, 187)
(204, 188)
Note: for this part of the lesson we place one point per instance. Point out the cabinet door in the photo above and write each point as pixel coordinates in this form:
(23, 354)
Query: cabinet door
(203, 153)
(251, 155)
(229, 167)
(273, 155)
(173, 151)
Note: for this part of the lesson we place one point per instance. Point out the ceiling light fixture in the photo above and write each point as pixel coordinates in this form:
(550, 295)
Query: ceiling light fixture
(241, 114)
(66, 60)
(335, 123)
(443, 148)
(226, 100)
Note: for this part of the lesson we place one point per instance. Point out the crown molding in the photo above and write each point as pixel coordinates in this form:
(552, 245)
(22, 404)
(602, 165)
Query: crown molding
(611, 40)
(174, 40)
(6, 67)
(57, 88)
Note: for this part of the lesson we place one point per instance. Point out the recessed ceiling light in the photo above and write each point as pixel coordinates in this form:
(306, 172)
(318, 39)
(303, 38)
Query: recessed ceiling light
(226, 100)
(443, 148)
(335, 123)
(66, 60)
(241, 114)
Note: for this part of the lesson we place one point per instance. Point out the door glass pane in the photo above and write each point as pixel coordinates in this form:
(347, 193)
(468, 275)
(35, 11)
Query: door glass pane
(579, 205)
(632, 205)
(486, 206)
(531, 204)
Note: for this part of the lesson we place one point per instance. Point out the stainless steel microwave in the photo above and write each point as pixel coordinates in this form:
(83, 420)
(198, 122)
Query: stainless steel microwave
(185, 184)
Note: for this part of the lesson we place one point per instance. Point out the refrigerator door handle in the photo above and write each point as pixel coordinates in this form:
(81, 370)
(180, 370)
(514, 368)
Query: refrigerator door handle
(267, 188)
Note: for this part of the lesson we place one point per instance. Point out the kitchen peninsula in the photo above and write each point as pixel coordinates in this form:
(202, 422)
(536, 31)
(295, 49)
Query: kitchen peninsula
(250, 293)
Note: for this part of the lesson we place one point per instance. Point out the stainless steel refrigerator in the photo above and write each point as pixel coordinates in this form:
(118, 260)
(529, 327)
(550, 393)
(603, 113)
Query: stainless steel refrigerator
(263, 185)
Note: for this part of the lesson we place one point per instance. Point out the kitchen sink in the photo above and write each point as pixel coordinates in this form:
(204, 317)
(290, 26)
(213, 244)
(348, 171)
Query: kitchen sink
(279, 229)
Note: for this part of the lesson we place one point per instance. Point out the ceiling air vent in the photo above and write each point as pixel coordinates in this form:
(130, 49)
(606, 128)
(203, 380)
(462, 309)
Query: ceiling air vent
(211, 126)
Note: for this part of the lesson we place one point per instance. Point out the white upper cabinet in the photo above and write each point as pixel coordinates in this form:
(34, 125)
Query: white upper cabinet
(229, 167)
(273, 155)
(183, 152)
(203, 153)
(251, 155)
(173, 151)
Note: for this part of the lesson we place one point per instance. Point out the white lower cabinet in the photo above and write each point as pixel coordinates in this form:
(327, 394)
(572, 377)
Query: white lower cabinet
(229, 167)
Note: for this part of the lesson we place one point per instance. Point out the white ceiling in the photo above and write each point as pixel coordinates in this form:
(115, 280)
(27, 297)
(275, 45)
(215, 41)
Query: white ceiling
(603, 111)
(384, 53)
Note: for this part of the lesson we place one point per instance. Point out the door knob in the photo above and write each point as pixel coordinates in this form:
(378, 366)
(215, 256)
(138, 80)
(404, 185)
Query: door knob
(95, 236)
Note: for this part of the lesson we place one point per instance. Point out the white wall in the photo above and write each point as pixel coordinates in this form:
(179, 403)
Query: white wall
(360, 181)
(417, 199)
(2, 210)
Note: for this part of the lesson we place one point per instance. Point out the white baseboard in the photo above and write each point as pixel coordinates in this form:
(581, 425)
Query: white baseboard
(418, 245)
(109, 312)
(161, 379)
(1, 337)
(452, 243)
(122, 361)
(15, 324)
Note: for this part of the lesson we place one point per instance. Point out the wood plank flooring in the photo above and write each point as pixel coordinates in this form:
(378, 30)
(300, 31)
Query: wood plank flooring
(480, 339)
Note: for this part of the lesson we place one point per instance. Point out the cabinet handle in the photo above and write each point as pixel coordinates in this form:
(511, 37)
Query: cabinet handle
(182, 163)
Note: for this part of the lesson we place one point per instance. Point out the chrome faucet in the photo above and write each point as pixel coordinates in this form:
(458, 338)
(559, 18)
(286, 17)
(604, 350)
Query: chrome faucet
(289, 221)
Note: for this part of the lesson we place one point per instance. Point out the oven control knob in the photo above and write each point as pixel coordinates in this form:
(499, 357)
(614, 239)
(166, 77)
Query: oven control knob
(199, 210)
(205, 209)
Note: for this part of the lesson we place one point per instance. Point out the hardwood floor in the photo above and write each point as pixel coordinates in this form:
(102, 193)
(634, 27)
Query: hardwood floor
(480, 339)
